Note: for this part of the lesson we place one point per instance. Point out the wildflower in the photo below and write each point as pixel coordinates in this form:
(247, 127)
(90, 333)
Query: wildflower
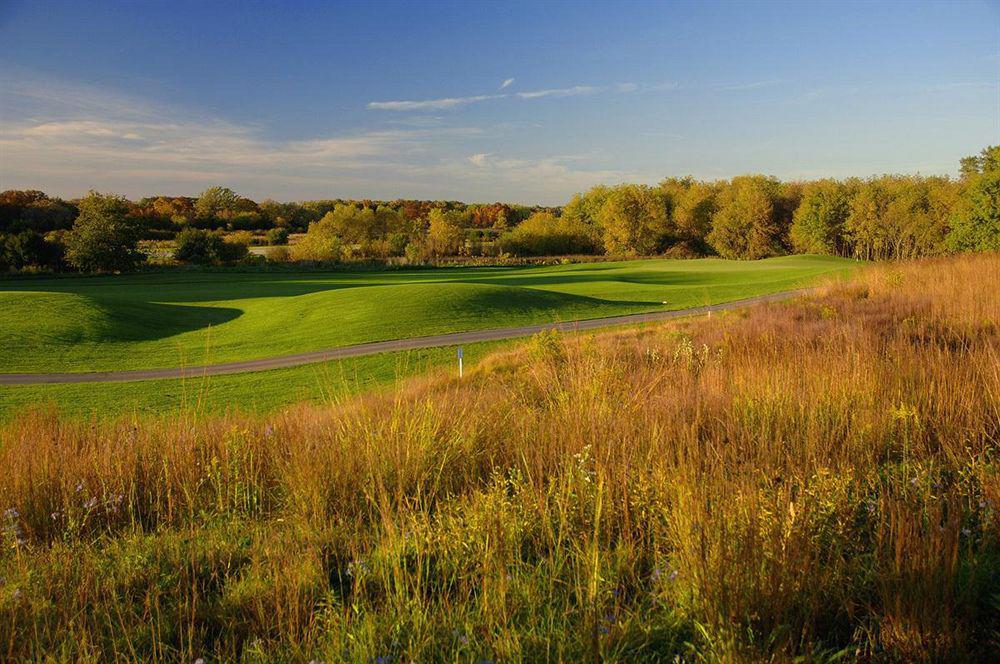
(356, 567)
(673, 575)
(966, 532)
(12, 513)
(90, 504)
(79, 488)
(200, 660)
(54, 516)
(657, 573)
(16, 594)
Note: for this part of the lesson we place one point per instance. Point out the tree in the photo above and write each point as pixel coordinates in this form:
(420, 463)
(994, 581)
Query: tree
(818, 223)
(444, 232)
(693, 207)
(544, 234)
(975, 224)
(217, 203)
(320, 243)
(745, 225)
(635, 220)
(103, 238)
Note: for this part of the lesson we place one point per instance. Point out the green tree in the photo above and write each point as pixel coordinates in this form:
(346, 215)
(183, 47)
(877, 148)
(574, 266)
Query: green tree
(194, 245)
(217, 203)
(693, 207)
(103, 238)
(818, 223)
(975, 223)
(745, 225)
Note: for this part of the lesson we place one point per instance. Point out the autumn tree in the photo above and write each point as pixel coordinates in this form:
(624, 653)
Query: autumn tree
(634, 220)
(744, 225)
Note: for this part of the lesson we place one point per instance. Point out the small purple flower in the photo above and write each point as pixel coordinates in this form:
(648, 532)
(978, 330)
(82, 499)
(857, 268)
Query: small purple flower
(673, 575)
(12, 513)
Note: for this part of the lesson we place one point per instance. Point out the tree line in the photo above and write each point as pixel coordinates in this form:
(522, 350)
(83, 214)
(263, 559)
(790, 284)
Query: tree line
(745, 217)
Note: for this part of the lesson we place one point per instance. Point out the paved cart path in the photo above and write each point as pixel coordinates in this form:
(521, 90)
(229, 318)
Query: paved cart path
(451, 339)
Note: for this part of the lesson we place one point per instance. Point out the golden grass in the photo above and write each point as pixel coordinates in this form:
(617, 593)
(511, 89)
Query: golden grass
(817, 478)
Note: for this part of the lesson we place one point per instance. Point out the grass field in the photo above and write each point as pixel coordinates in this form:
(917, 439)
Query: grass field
(816, 480)
(183, 319)
(256, 392)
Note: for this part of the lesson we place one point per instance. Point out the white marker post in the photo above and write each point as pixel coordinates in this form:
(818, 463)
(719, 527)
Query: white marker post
(459, 361)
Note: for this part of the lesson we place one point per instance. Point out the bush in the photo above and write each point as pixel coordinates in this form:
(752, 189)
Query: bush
(544, 234)
(30, 249)
(277, 236)
(317, 245)
(207, 248)
(279, 254)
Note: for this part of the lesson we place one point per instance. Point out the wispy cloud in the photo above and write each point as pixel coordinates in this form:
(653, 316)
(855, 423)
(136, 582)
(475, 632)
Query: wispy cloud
(507, 82)
(574, 91)
(66, 139)
(754, 85)
(430, 104)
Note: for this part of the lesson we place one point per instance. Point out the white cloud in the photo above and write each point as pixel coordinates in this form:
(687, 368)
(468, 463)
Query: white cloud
(506, 83)
(560, 92)
(66, 139)
(430, 104)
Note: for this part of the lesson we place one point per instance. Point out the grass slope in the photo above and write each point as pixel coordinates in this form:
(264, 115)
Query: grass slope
(157, 321)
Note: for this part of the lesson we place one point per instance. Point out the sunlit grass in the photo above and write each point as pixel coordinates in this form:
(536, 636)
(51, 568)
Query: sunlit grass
(189, 319)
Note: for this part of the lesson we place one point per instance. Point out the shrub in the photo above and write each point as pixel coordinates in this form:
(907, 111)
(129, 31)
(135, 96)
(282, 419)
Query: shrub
(277, 236)
(318, 244)
(207, 248)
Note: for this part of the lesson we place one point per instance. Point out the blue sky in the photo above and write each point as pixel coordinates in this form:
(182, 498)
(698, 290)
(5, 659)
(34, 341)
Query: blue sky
(476, 101)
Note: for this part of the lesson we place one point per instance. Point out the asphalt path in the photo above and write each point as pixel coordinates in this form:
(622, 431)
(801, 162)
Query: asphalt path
(435, 341)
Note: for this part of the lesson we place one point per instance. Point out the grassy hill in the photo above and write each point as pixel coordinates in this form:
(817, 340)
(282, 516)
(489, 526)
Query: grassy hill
(814, 479)
(169, 320)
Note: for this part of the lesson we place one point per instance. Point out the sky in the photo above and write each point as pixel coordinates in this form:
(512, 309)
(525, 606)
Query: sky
(482, 101)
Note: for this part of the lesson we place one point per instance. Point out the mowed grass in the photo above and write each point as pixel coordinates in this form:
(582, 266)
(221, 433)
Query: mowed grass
(816, 480)
(185, 319)
(252, 392)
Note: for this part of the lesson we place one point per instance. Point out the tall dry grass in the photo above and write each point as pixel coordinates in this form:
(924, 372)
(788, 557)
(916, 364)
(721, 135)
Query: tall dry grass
(816, 479)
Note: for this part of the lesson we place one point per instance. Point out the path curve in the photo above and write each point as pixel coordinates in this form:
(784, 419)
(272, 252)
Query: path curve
(413, 343)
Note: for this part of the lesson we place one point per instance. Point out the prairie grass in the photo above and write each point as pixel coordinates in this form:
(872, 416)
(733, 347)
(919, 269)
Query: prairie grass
(810, 480)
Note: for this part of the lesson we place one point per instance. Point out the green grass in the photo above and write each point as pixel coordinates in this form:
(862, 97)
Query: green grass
(176, 319)
(257, 392)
